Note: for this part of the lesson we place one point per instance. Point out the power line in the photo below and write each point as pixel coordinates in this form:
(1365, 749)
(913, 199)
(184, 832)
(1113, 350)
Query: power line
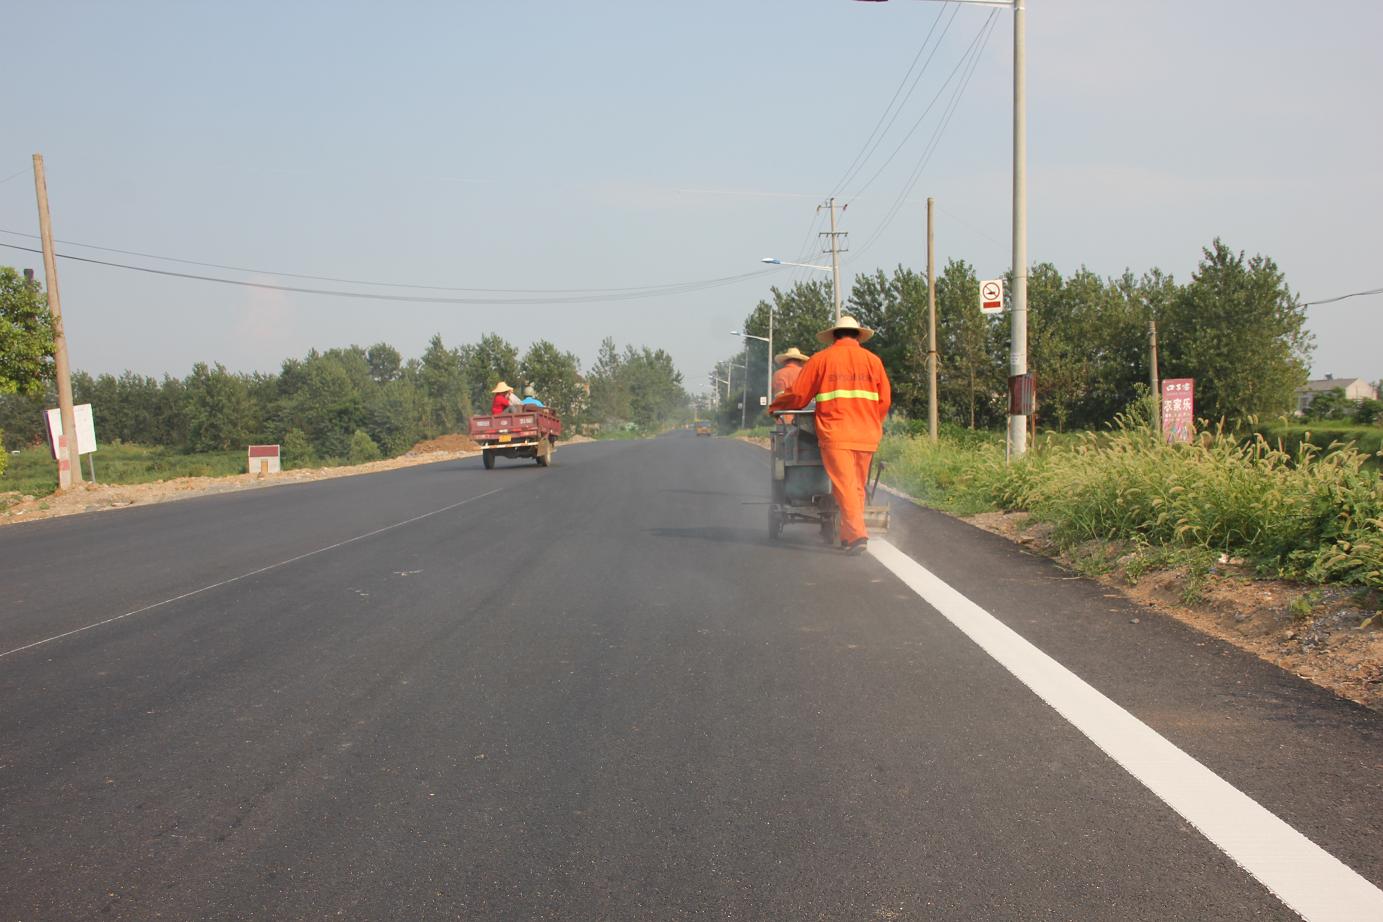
(971, 59)
(348, 281)
(612, 295)
(925, 112)
(1352, 294)
(866, 150)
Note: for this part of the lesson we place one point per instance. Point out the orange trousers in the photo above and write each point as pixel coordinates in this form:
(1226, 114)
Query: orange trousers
(849, 473)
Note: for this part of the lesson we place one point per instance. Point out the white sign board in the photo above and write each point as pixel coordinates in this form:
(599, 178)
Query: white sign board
(86, 429)
(992, 296)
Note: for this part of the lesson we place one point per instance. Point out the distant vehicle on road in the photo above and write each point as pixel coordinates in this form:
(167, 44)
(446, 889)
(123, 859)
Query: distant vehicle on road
(528, 433)
(703, 427)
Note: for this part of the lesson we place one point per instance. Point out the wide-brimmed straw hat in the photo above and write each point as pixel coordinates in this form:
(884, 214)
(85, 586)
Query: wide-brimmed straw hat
(501, 388)
(844, 323)
(528, 391)
(793, 353)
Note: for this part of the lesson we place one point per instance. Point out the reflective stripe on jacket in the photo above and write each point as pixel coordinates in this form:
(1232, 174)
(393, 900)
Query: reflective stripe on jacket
(851, 392)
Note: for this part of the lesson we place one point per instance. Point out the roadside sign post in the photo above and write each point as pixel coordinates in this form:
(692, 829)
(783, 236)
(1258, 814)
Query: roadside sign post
(1178, 409)
(86, 438)
(992, 296)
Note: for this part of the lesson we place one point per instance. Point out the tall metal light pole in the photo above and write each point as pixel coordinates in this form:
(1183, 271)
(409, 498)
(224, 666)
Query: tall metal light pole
(768, 388)
(1018, 344)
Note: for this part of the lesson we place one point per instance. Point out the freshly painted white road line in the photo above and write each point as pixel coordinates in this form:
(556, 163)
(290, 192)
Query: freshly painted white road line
(236, 579)
(1312, 882)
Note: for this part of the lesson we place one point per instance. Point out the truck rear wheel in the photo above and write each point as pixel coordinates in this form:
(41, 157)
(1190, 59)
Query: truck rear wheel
(488, 458)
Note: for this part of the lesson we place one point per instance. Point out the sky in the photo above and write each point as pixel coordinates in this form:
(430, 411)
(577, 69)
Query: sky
(551, 147)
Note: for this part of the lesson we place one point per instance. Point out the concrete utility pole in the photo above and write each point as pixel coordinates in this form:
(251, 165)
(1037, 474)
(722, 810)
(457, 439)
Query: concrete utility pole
(1152, 371)
(1018, 344)
(931, 324)
(71, 466)
(836, 250)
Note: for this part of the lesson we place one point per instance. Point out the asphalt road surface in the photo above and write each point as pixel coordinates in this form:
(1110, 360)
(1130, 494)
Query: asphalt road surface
(597, 691)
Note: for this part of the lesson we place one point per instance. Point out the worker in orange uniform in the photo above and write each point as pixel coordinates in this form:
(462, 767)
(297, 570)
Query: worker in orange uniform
(852, 398)
(791, 362)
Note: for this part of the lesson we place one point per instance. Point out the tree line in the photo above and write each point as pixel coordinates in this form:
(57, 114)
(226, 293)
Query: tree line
(344, 403)
(1235, 327)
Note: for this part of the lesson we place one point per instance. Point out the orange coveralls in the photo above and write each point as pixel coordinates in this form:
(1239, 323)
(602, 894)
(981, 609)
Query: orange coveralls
(852, 398)
(783, 378)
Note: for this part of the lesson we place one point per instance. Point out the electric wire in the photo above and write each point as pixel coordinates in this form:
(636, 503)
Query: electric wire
(350, 281)
(866, 150)
(1352, 294)
(611, 295)
(972, 59)
(961, 63)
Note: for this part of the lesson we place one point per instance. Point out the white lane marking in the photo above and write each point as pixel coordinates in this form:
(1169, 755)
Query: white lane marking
(1318, 886)
(234, 579)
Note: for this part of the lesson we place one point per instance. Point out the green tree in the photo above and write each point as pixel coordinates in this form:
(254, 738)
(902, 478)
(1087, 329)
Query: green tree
(799, 313)
(362, 448)
(297, 449)
(385, 363)
(609, 394)
(486, 363)
(972, 367)
(396, 416)
(442, 378)
(895, 308)
(556, 376)
(1333, 404)
(220, 414)
(654, 386)
(1241, 333)
(26, 335)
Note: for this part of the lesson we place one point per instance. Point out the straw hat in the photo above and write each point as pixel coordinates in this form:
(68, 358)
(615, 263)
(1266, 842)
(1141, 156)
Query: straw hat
(501, 388)
(528, 391)
(793, 353)
(844, 323)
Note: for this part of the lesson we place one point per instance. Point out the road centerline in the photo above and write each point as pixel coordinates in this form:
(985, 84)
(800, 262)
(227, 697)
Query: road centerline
(1309, 880)
(248, 574)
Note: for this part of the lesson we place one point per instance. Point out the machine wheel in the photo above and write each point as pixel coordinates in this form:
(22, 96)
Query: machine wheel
(830, 528)
(544, 454)
(488, 458)
(775, 524)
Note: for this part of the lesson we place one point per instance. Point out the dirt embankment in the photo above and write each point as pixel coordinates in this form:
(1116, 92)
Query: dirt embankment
(1330, 635)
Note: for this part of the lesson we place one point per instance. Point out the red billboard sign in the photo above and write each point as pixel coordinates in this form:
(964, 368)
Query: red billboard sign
(1178, 409)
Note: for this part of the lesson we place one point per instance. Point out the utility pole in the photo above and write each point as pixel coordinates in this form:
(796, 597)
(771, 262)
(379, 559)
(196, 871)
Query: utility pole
(1018, 344)
(1152, 372)
(931, 325)
(71, 466)
(744, 401)
(836, 250)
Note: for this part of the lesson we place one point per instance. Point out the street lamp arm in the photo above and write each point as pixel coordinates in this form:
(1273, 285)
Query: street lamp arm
(772, 260)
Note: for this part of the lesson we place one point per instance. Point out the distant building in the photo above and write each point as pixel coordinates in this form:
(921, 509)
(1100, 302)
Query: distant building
(1356, 389)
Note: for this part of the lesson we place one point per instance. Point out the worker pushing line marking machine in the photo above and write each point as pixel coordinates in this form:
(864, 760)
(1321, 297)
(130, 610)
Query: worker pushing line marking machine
(801, 486)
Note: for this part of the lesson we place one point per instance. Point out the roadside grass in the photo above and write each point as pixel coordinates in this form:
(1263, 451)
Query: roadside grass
(1325, 436)
(1310, 515)
(33, 472)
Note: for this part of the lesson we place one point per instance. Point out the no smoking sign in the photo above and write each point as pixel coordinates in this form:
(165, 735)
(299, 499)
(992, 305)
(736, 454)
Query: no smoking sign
(992, 296)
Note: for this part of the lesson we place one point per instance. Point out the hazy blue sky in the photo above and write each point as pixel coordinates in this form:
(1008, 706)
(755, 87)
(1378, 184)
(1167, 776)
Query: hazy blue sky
(562, 145)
